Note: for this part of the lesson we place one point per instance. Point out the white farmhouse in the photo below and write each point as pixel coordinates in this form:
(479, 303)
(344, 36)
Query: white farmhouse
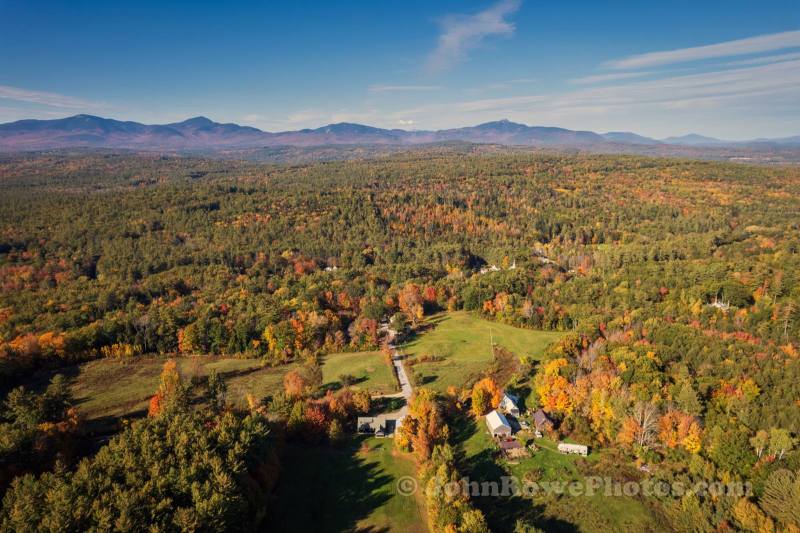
(509, 404)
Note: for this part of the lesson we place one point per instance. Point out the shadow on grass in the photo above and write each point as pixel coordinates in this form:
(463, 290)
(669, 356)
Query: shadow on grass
(339, 385)
(324, 488)
(386, 405)
(502, 511)
(426, 380)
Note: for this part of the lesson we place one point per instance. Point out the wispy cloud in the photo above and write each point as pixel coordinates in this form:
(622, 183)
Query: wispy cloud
(766, 59)
(629, 102)
(500, 86)
(402, 88)
(462, 33)
(600, 78)
(46, 98)
(751, 45)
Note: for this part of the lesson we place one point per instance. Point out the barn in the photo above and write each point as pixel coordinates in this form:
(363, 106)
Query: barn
(498, 424)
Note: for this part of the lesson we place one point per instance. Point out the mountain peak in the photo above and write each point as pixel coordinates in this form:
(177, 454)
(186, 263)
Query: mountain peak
(692, 139)
(197, 122)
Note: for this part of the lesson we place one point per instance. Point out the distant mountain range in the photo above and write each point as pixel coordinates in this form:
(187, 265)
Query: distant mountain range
(200, 133)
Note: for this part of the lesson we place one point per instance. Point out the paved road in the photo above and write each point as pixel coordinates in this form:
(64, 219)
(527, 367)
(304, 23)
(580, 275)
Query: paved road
(405, 388)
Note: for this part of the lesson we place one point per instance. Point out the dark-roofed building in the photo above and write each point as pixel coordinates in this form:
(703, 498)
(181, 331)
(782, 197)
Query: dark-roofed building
(541, 421)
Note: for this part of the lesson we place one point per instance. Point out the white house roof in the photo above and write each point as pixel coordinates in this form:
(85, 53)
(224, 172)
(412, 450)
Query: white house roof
(496, 420)
(510, 397)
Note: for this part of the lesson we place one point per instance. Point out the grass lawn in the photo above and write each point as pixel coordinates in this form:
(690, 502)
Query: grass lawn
(550, 463)
(108, 389)
(346, 488)
(463, 340)
(369, 369)
(596, 512)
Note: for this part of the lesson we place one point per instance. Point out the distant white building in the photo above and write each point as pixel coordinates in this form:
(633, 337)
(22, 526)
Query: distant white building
(509, 404)
(722, 305)
(577, 449)
(498, 424)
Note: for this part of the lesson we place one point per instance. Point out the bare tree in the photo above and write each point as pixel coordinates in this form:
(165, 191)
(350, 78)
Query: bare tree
(646, 416)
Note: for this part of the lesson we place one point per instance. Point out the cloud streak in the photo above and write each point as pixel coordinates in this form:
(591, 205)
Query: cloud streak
(751, 45)
(46, 98)
(600, 78)
(766, 59)
(752, 87)
(402, 88)
(462, 33)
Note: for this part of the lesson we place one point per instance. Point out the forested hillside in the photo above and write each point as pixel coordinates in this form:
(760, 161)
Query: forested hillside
(677, 283)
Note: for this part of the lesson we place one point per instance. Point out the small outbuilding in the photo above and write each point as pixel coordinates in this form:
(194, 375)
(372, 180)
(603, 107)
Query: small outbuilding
(577, 449)
(541, 421)
(498, 424)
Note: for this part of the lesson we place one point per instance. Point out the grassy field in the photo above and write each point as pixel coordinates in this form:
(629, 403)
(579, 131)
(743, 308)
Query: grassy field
(369, 369)
(464, 341)
(596, 512)
(109, 389)
(347, 488)
(105, 388)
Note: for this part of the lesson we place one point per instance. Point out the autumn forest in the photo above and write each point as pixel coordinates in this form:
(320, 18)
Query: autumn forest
(257, 301)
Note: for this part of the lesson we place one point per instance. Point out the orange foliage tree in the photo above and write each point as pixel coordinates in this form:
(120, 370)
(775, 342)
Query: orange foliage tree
(556, 393)
(678, 429)
(294, 384)
(486, 396)
(170, 390)
(423, 427)
(410, 302)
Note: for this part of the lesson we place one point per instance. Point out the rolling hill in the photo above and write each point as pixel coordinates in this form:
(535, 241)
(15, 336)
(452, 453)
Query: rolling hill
(201, 133)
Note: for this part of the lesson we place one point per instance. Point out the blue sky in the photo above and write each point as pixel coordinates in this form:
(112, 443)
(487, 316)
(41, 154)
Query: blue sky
(725, 68)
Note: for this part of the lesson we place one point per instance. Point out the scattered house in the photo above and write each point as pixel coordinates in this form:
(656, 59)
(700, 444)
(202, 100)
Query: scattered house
(541, 421)
(333, 268)
(493, 268)
(509, 444)
(509, 404)
(366, 424)
(577, 449)
(513, 449)
(498, 424)
(379, 426)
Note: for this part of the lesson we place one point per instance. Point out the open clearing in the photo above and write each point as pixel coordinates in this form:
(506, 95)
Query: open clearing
(352, 487)
(463, 340)
(595, 512)
(369, 369)
(109, 389)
